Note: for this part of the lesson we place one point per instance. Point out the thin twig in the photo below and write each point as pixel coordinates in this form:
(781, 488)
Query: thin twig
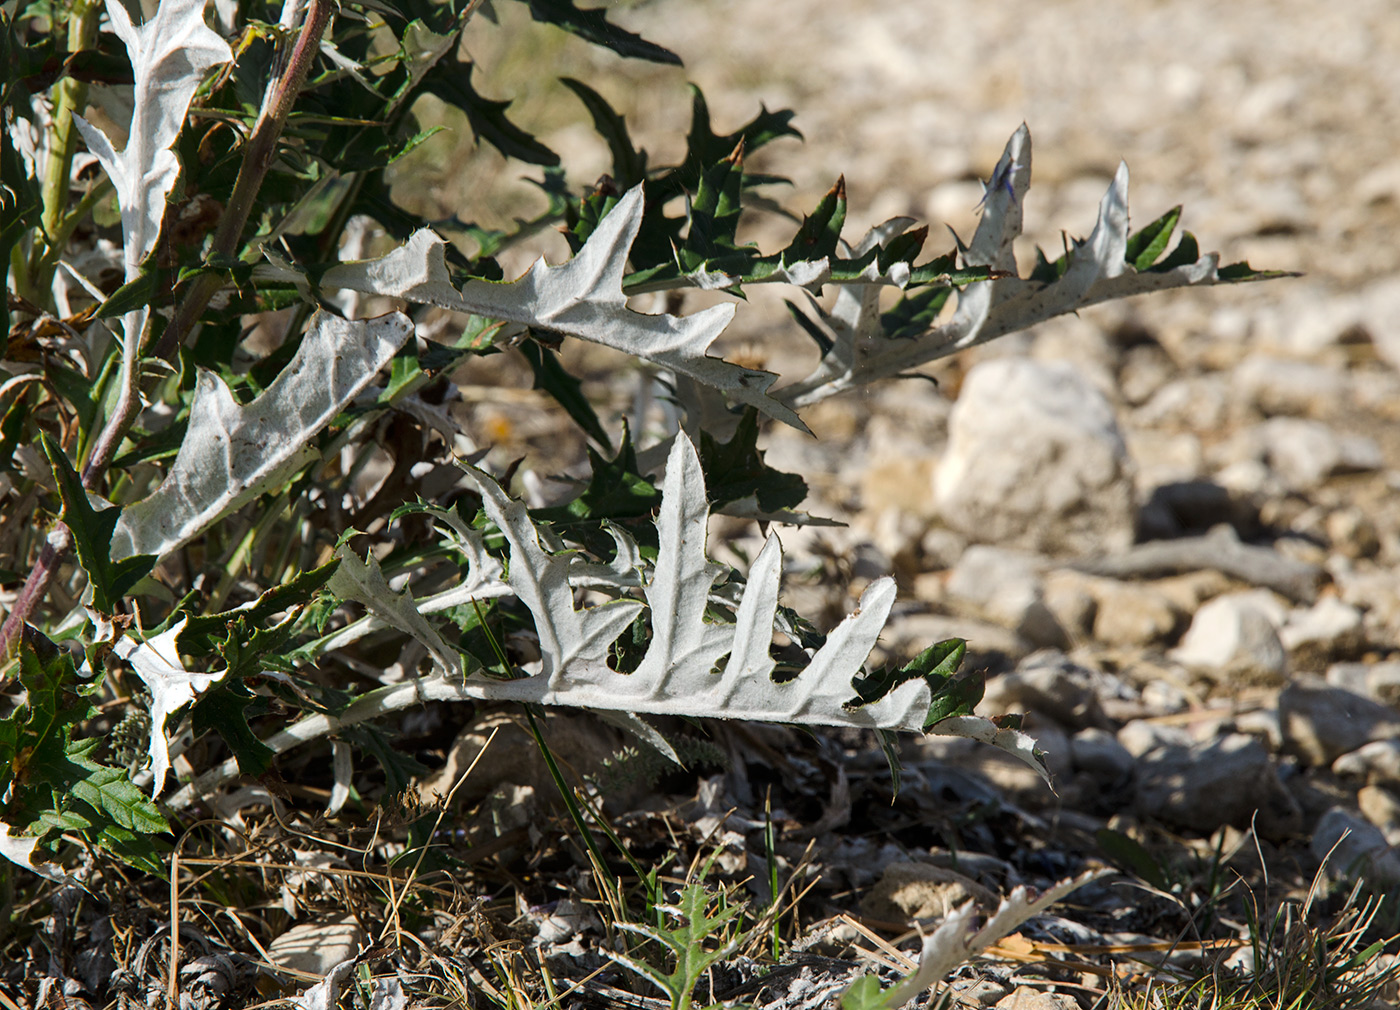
(258, 156)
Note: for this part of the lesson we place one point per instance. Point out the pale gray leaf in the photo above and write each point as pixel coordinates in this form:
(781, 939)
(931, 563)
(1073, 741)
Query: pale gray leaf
(364, 582)
(157, 662)
(170, 55)
(582, 298)
(954, 942)
(232, 453)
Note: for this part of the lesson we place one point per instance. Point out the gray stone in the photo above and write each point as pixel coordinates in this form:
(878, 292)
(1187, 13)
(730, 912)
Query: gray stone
(1145, 369)
(1306, 453)
(1328, 630)
(971, 992)
(1354, 847)
(1321, 723)
(1350, 531)
(1130, 614)
(1233, 638)
(1099, 753)
(1163, 698)
(1069, 600)
(1228, 780)
(1376, 590)
(1281, 386)
(1054, 743)
(1350, 677)
(1249, 479)
(1035, 460)
(1050, 683)
(1178, 508)
(1377, 761)
(1198, 403)
(1026, 998)
(1380, 314)
(1264, 724)
(1140, 737)
(1381, 807)
(909, 890)
(1004, 586)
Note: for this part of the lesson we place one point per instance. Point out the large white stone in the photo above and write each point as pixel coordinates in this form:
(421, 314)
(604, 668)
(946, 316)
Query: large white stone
(1234, 637)
(1035, 460)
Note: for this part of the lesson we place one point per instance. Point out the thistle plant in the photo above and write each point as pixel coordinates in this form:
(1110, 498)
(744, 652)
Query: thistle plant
(189, 510)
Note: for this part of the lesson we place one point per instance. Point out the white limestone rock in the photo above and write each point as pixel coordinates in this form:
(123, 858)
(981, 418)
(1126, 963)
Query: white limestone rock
(1036, 460)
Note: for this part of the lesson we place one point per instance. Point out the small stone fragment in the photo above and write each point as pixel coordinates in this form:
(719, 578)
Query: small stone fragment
(1133, 615)
(1377, 761)
(1099, 753)
(909, 890)
(1004, 586)
(1381, 806)
(1355, 847)
(1321, 723)
(1232, 639)
(1327, 631)
(1051, 683)
(1026, 998)
(1306, 453)
(317, 947)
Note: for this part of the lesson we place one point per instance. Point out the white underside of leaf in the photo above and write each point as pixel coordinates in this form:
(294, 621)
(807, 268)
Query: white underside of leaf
(19, 849)
(1013, 741)
(677, 675)
(231, 452)
(581, 298)
(170, 55)
(861, 354)
(157, 662)
(364, 583)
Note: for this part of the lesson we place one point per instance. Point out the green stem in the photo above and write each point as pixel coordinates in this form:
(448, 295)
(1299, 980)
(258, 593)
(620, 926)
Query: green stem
(58, 235)
(70, 96)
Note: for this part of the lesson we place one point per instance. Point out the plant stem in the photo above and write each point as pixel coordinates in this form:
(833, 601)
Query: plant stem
(36, 587)
(258, 156)
(70, 96)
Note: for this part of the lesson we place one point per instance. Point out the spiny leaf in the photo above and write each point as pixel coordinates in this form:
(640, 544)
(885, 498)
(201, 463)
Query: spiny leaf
(582, 298)
(915, 313)
(735, 470)
(592, 24)
(616, 491)
(629, 165)
(937, 666)
(232, 452)
(1092, 271)
(820, 234)
(157, 662)
(567, 391)
(224, 710)
(111, 792)
(110, 574)
(451, 80)
(169, 56)
(1147, 244)
(697, 926)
